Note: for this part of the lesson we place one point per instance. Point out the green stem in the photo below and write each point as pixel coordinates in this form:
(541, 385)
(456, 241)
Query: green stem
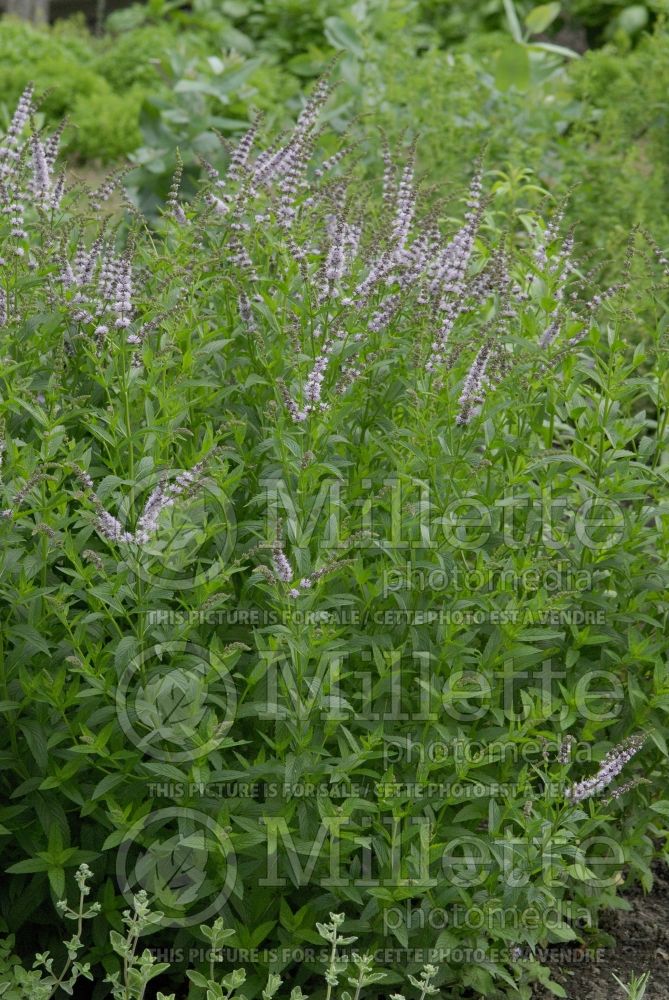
(80, 924)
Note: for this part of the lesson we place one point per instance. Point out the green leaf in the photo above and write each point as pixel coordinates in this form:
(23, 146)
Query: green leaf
(106, 784)
(341, 36)
(36, 740)
(661, 807)
(558, 50)
(512, 18)
(126, 649)
(57, 881)
(197, 978)
(541, 17)
(29, 866)
(512, 68)
(633, 18)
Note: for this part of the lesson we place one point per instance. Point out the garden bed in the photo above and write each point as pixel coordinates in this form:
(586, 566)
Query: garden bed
(642, 943)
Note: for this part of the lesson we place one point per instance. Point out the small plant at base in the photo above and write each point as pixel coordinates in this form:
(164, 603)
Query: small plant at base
(424, 983)
(336, 965)
(216, 935)
(637, 986)
(365, 976)
(138, 970)
(17, 982)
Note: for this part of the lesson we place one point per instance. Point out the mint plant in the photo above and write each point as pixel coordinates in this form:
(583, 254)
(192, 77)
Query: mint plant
(333, 574)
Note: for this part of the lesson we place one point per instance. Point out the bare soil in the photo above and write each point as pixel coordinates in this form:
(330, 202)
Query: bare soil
(642, 943)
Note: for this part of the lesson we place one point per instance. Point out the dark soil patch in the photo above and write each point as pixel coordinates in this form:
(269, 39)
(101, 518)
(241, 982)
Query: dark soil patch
(571, 35)
(642, 943)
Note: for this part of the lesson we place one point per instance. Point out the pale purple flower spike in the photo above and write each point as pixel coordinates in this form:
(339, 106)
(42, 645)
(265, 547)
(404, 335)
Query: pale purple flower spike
(609, 769)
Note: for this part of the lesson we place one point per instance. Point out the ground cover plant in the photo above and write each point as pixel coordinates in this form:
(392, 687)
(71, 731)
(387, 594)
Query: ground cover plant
(333, 577)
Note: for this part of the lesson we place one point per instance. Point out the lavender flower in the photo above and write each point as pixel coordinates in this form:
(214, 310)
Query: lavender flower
(245, 312)
(57, 192)
(104, 192)
(108, 525)
(111, 528)
(406, 206)
(549, 234)
(87, 261)
(9, 155)
(332, 161)
(240, 153)
(308, 581)
(452, 311)
(162, 497)
(624, 788)
(220, 206)
(52, 144)
(597, 300)
(314, 383)
(288, 163)
(552, 330)
(335, 261)
(20, 496)
(239, 256)
(107, 275)
(293, 169)
(348, 374)
(123, 294)
(145, 329)
(609, 769)
(12, 206)
(385, 313)
(450, 266)
(41, 181)
(282, 567)
(377, 272)
(352, 237)
(172, 204)
(565, 750)
(472, 389)
(416, 260)
(294, 410)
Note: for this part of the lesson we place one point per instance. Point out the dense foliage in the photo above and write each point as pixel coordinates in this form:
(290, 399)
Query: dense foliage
(333, 572)
(65, 63)
(597, 20)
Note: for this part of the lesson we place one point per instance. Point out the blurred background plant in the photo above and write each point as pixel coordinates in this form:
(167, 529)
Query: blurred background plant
(594, 21)
(568, 98)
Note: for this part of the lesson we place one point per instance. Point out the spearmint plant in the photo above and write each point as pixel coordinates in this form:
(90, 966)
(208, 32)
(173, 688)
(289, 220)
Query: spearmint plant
(333, 575)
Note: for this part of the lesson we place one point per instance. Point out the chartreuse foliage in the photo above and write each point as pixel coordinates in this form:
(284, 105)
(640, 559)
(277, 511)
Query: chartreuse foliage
(63, 63)
(333, 548)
